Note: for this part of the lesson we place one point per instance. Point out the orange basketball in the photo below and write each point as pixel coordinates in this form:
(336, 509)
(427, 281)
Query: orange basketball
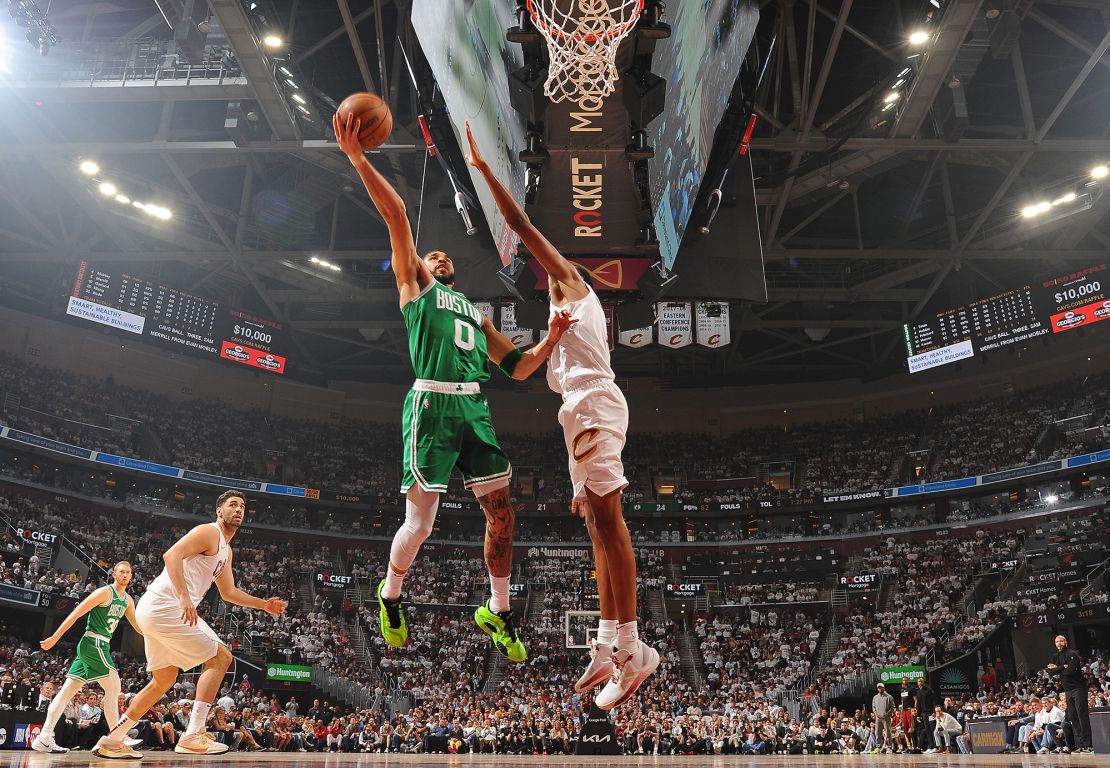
(376, 121)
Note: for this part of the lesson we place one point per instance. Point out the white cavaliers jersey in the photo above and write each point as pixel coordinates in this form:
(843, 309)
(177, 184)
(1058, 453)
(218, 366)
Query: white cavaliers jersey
(582, 355)
(200, 573)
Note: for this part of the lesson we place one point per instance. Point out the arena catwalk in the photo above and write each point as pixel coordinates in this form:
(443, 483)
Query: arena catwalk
(33, 760)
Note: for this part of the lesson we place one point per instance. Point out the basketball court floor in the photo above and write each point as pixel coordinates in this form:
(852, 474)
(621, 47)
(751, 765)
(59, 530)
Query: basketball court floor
(303, 760)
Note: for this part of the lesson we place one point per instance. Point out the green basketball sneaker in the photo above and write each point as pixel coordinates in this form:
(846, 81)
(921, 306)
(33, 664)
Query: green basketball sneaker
(391, 613)
(499, 626)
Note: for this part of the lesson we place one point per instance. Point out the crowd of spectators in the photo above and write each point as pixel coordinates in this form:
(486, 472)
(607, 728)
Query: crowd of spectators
(349, 457)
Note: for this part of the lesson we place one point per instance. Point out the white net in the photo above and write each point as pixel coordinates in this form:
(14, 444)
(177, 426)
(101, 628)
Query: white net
(582, 40)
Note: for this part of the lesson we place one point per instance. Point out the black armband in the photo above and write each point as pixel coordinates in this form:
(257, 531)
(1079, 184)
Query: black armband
(509, 361)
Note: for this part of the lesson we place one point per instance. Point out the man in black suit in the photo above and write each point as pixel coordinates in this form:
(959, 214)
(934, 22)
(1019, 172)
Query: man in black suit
(1067, 664)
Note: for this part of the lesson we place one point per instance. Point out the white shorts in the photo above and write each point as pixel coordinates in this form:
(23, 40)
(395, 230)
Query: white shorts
(169, 642)
(595, 424)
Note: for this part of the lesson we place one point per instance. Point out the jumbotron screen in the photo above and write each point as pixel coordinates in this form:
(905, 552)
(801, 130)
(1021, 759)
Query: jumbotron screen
(176, 319)
(1058, 305)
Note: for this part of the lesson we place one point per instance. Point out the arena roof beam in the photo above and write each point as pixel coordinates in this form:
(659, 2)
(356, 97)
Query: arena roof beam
(256, 66)
(112, 91)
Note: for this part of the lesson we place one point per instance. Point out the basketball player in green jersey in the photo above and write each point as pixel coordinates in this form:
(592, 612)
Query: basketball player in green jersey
(105, 607)
(446, 420)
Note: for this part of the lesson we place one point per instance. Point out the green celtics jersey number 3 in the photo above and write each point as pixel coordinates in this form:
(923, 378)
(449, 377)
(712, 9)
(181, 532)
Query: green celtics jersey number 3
(446, 342)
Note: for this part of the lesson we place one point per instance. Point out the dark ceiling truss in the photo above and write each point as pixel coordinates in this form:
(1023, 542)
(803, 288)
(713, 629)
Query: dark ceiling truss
(832, 261)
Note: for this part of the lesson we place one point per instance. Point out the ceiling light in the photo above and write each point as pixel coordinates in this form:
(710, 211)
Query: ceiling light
(273, 41)
(124, 199)
(285, 71)
(140, 205)
(158, 211)
(314, 260)
(1100, 172)
(891, 97)
(297, 98)
(919, 37)
(302, 109)
(1051, 498)
(107, 189)
(89, 168)
(1065, 199)
(904, 72)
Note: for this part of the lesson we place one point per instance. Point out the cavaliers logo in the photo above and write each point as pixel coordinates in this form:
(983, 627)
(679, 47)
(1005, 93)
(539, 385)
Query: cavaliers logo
(583, 445)
(610, 274)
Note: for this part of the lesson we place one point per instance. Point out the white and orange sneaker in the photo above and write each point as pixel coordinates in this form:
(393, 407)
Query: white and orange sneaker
(199, 744)
(632, 669)
(601, 667)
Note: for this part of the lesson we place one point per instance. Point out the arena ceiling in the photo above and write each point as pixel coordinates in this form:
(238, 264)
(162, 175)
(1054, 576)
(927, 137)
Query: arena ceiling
(867, 220)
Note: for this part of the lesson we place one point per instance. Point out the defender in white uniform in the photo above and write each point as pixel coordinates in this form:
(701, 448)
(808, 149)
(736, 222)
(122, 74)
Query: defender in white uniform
(594, 417)
(177, 639)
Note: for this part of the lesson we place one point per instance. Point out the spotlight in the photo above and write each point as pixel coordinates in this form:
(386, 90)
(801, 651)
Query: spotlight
(1052, 498)
(891, 97)
(1064, 199)
(108, 189)
(140, 205)
(297, 98)
(89, 168)
(314, 259)
(273, 41)
(285, 71)
(919, 37)
(1100, 172)
(123, 199)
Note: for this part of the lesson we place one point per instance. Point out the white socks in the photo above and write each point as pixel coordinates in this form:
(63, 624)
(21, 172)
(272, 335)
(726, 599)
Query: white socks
(499, 593)
(628, 637)
(420, 517)
(199, 717)
(58, 704)
(119, 733)
(607, 631)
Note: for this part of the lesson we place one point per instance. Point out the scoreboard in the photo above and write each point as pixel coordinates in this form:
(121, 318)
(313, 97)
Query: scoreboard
(1054, 306)
(176, 319)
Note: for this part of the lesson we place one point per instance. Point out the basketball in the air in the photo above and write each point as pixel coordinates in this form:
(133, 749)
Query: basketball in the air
(376, 121)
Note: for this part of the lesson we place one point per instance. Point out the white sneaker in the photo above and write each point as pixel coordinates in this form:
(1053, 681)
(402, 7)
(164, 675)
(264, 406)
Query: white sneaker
(601, 667)
(632, 669)
(133, 742)
(44, 742)
(115, 750)
(199, 744)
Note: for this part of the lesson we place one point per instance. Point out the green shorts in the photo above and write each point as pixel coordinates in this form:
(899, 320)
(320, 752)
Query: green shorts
(93, 662)
(442, 431)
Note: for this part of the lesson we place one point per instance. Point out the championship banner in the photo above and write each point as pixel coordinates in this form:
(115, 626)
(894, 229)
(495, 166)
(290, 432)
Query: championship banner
(636, 337)
(293, 673)
(675, 324)
(713, 326)
(520, 337)
(485, 307)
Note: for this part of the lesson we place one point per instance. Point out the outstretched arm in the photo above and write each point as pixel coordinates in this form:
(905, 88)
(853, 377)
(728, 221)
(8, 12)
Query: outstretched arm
(225, 582)
(558, 269)
(521, 365)
(94, 599)
(411, 273)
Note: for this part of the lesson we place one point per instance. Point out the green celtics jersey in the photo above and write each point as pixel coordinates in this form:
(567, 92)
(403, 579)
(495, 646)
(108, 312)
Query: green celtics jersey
(102, 619)
(446, 342)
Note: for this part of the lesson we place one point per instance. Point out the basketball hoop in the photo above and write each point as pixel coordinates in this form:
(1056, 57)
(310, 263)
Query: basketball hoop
(582, 43)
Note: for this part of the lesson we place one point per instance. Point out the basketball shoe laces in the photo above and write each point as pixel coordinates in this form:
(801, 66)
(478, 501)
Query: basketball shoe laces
(510, 628)
(392, 612)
